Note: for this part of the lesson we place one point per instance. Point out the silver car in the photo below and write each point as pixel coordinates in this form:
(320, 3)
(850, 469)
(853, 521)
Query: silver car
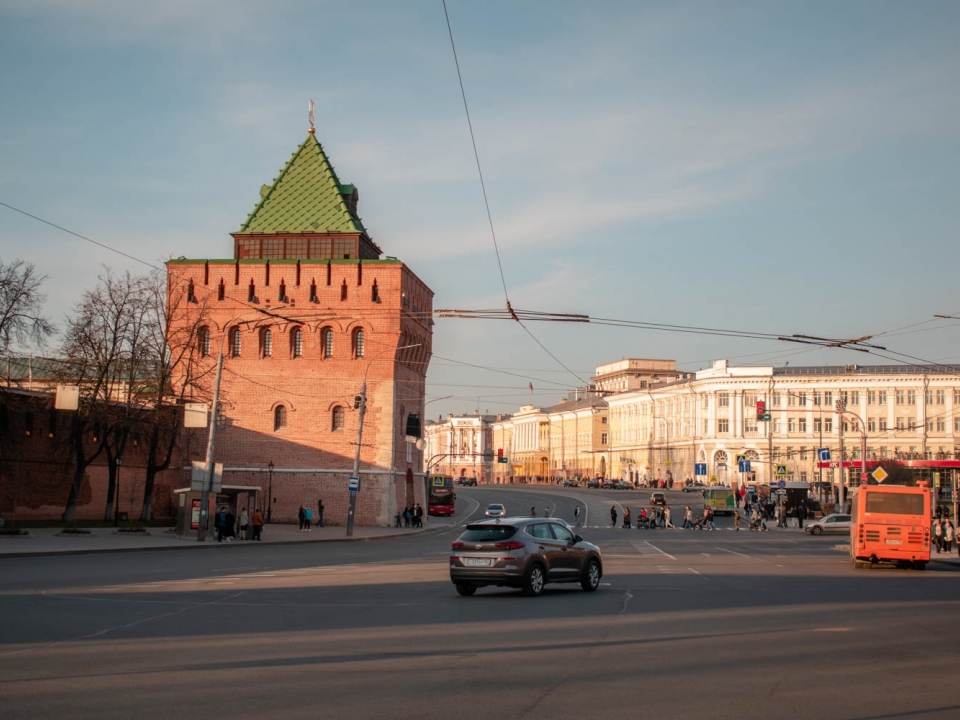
(523, 553)
(835, 523)
(496, 510)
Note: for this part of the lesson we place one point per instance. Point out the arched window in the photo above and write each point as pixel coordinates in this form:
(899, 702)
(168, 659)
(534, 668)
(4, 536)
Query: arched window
(326, 342)
(266, 343)
(296, 342)
(235, 340)
(336, 420)
(203, 341)
(279, 418)
(358, 343)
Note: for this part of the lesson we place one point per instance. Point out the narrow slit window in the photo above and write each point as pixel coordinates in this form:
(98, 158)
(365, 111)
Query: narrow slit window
(297, 342)
(279, 418)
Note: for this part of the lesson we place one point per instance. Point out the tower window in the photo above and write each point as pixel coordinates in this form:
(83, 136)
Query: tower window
(313, 291)
(375, 293)
(203, 342)
(336, 420)
(221, 290)
(326, 337)
(296, 342)
(343, 290)
(252, 292)
(235, 341)
(266, 343)
(358, 343)
(279, 418)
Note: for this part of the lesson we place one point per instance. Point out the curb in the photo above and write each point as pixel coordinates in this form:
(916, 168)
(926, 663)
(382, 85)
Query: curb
(210, 545)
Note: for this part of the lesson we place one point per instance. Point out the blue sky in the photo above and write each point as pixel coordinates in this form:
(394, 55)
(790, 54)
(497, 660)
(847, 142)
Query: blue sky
(777, 167)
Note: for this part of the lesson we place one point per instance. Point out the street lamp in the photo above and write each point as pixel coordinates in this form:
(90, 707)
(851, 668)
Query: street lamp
(362, 406)
(211, 433)
(841, 411)
(270, 492)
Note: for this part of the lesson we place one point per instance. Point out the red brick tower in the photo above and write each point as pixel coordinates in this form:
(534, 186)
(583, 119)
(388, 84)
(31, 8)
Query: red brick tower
(303, 312)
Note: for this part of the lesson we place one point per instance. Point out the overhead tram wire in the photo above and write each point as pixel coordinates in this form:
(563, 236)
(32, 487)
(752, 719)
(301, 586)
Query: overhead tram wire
(82, 237)
(486, 201)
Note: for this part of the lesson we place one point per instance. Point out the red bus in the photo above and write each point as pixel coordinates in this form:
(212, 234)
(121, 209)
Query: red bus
(890, 524)
(441, 498)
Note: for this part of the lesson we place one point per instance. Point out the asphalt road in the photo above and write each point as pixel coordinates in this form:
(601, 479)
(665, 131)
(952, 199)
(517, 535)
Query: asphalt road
(686, 624)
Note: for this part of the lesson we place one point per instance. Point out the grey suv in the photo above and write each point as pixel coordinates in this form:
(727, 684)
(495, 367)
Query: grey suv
(522, 553)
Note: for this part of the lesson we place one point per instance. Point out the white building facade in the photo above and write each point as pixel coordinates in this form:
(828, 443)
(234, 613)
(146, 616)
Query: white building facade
(460, 446)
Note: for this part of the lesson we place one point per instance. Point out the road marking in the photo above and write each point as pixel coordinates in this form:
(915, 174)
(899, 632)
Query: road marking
(659, 550)
(693, 571)
(732, 552)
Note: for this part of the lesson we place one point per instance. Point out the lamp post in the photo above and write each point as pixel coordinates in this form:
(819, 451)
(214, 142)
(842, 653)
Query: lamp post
(211, 433)
(362, 407)
(270, 492)
(841, 411)
(116, 511)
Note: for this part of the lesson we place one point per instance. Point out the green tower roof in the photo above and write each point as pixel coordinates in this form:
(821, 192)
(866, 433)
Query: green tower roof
(306, 197)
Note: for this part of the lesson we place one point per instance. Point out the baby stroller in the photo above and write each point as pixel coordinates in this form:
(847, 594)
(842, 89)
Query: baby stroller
(758, 523)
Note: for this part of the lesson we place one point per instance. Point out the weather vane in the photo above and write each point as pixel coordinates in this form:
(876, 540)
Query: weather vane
(310, 115)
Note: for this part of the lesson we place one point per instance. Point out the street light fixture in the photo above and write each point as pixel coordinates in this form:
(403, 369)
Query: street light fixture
(362, 407)
(270, 492)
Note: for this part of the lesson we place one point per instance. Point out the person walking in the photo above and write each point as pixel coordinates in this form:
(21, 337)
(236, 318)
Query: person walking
(307, 518)
(320, 513)
(736, 519)
(576, 515)
(687, 518)
(666, 519)
(708, 519)
(546, 512)
(257, 521)
(244, 524)
(801, 514)
(301, 517)
(220, 524)
(533, 511)
(938, 535)
(613, 515)
(626, 518)
(418, 514)
(948, 535)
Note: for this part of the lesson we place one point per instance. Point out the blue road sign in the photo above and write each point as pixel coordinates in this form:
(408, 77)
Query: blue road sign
(823, 454)
(781, 484)
(744, 465)
(354, 484)
(700, 469)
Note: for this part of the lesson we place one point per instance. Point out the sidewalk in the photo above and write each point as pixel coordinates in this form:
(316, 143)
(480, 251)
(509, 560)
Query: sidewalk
(51, 541)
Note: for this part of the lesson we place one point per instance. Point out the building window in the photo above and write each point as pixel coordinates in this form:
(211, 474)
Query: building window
(941, 425)
(723, 399)
(283, 292)
(871, 397)
(791, 400)
(941, 397)
(899, 397)
(802, 399)
(706, 429)
(882, 425)
(358, 343)
(343, 290)
(221, 290)
(326, 342)
(828, 398)
(375, 292)
(723, 425)
(279, 418)
(911, 397)
(956, 397)
(792, 425)
(802, 425)
(296, 342)
(817, 399)
(901, 423)
(603, 438)
(828, 424)
(313, 291)
(817, 425)
(854, 397)
(191, 295)
(956, 425)
(252, 292)
(266, 343)
(203, 342)
(776, 426)
(882, 397)
(803, 453)
(871, 425)
(775, 399)
(235, 341)
(336, 419)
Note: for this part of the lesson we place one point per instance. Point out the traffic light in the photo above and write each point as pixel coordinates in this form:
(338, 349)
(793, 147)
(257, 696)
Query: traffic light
(761, 410)
(499, 455)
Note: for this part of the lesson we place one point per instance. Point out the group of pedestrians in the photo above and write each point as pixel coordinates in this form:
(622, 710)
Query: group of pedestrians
(657, 517)
(412, 516)
(943, 535)
(250, 526)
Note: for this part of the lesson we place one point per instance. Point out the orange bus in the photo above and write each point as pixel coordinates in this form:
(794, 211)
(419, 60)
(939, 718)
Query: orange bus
(890, 524)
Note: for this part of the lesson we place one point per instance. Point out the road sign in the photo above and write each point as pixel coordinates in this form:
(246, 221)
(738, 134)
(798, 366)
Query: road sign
(824, 454)
(781, 470)
(713, 478)
(667, 463)
(880, 474)
(741, 458)
(199, 475)
(782, 484)
(437, 480)
(354, 484)
(743, 465)
(700, 469)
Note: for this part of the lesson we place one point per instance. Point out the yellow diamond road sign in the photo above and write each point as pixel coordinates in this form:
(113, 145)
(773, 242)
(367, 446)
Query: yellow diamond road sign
(880, 474)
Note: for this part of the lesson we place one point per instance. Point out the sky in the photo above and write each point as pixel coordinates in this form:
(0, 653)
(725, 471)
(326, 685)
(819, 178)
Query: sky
(774, 167)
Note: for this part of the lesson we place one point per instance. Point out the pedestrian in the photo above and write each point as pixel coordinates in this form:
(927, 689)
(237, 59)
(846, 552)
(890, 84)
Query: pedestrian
(398, 520)
(244, 524)
(257, 522)
(666, 519)
(736, 519)
(576, 515)
(613, 515)
(546, 512)
(301, 516)
(801, 514)
(533, 511)
(687, 517)
(217, 522)
(626, 518)
(407, 516)
(418, 514)
(938, 535)
(708, 519)
(320, 513)
(307, 518)
(948, 535)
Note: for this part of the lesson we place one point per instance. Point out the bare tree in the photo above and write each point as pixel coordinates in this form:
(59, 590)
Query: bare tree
(21, 302)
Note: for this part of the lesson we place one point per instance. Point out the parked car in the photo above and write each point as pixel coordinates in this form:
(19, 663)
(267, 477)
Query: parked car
(658, 498)
(495, 510)
(523, 553)
(593, 483)
(468, 481)
(694, 487)
(571, 482)
(608, 484)
(622, 485)
(833, 523)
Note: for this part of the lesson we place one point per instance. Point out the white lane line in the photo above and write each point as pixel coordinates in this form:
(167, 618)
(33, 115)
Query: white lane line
(659, 550)
(694, 571)
(731, 552)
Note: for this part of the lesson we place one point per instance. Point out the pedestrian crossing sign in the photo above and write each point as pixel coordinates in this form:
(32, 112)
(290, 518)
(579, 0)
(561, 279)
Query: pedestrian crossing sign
(781, 469)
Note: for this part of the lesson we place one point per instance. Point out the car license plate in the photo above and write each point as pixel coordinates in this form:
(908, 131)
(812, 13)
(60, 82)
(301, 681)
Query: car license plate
(478, 562)
(894, 542)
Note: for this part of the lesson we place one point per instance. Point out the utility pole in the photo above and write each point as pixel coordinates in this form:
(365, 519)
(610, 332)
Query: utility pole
(208, 482)
(841, 406)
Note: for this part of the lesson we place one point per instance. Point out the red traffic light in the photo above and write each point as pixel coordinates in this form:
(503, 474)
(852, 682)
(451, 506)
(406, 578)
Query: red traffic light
(761, 409)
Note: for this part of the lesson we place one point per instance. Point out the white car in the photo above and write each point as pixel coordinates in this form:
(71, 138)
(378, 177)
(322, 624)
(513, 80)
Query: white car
(835, 523)
(496, 510)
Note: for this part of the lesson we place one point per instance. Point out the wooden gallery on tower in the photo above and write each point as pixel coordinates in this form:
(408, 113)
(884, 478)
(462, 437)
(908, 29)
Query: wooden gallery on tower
(306, 314)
